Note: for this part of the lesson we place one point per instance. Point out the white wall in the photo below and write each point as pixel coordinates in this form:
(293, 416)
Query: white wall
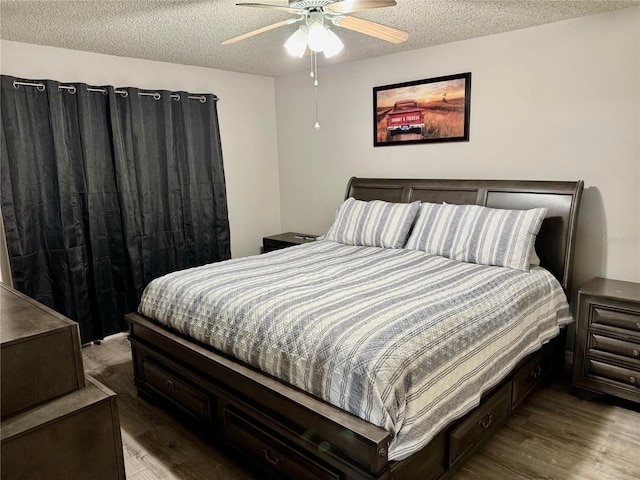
(556, 102)
(559, 101)
(246, 111)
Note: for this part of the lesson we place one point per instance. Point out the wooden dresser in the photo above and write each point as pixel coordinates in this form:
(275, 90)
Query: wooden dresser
(54, 423)
(607, 344)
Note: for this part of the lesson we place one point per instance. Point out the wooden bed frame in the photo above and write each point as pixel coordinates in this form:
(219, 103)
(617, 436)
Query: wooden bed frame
(287, 433)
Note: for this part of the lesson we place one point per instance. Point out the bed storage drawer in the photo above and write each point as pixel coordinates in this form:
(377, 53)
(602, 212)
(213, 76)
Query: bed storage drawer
(478, 425)
(180, 392)
(254, 439)
(531, 374)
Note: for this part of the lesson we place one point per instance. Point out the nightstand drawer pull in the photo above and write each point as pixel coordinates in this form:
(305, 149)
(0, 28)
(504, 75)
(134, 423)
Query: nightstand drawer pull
(272, 460)
(632, 380)
(636, 353)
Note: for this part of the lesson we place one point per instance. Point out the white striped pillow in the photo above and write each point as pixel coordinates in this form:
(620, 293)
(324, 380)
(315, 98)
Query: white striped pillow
(475, 234)
(372, 224)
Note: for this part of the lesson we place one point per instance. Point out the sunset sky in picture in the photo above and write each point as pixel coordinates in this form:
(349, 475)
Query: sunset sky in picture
(424, 93)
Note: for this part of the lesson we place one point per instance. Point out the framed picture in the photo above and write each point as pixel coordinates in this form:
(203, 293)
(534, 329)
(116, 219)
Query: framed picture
(423, 111)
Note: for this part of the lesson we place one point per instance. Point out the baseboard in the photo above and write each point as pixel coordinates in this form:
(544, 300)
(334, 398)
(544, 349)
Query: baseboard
(568, 364)
(568, 357)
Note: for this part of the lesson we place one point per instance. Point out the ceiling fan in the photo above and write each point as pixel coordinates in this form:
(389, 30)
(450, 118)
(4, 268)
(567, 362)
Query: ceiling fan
(317, 15)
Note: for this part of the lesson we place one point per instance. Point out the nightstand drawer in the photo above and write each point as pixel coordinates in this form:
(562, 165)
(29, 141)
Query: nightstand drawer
(615, 346)
(618, 374)
(601, 315)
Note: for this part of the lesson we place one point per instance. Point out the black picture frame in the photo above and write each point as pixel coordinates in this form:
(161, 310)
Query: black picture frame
(432, 110)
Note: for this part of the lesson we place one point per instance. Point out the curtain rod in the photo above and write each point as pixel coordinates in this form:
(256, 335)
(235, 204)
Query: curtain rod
(72, 89)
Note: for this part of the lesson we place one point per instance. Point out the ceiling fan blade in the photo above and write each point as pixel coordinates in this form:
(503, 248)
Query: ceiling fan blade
(377, 30)
(349, 6)
(260, 30)
(298, 11)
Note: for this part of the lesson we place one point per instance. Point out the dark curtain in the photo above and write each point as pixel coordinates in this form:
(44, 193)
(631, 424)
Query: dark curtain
(174, 203)
(101, 193)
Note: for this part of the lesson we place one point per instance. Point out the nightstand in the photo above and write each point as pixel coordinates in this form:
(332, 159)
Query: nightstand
(607, 344)
(284, 240)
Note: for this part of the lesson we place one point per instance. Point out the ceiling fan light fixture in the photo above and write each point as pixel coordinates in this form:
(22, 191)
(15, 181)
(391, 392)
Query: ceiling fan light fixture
(296, 45)
(318, 36)
(333, 46)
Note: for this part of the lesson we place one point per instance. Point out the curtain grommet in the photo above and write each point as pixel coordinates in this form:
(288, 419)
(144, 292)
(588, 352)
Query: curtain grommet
(40, 86)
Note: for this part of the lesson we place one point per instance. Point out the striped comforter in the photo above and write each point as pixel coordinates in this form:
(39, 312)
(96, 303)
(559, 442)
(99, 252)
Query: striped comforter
(403, 339)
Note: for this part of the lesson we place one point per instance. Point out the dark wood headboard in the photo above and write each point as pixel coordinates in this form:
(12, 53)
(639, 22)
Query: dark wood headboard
(556, 239)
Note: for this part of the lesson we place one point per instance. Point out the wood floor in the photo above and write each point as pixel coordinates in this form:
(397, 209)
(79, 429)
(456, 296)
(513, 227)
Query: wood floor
(552, 436)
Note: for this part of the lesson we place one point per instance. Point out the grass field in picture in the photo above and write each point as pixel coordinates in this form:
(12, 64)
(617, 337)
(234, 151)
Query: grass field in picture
(441, 120)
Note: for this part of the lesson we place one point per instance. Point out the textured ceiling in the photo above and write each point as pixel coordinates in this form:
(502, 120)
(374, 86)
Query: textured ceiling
(189, 32)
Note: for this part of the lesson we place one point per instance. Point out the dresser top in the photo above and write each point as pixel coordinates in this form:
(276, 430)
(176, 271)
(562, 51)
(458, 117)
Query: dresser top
(22, 317)
(604, 287)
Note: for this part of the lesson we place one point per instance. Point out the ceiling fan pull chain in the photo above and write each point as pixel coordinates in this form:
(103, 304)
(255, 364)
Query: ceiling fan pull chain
(315, 84)
(311, 58)
(317, 125)
(315, 68)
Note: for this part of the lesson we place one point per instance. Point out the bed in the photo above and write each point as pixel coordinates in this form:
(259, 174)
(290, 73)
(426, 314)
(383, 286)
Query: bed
(289, 433)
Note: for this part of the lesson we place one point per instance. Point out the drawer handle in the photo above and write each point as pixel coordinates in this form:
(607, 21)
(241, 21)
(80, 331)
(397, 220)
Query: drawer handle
(537, 373)
(632, 380)
(171, 386)
(271, 459)
(636, 353)
(485, 422)
(638, 325)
